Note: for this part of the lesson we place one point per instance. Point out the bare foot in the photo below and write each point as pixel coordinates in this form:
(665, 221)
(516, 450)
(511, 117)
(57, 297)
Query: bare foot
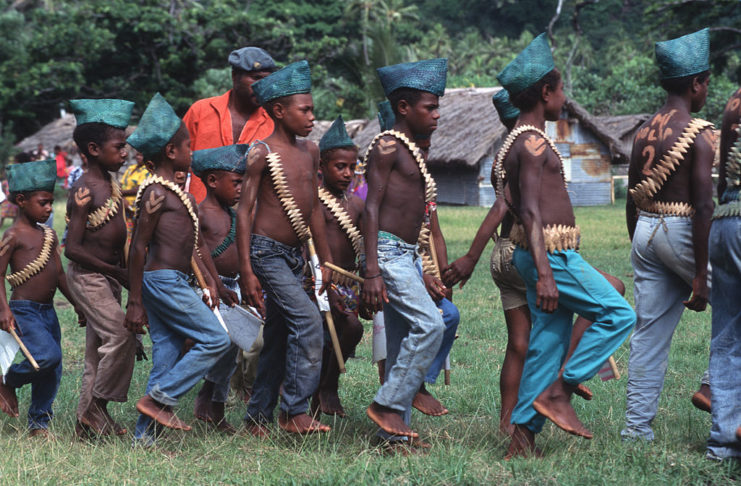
(301, 424)
(427, 404)
(202, 408)
(555, 404)
(81, 431)
(701, 399)
(95, 421)
(161, 414)
(222, 425)
(8, 400)
(246, 395)
(400, 448)
(419, 444)
(389, 420)
(506, 428)
(260, 431)
(41, 434)
(523, 444)
(329, 403)
(112, 424)
(583, 391)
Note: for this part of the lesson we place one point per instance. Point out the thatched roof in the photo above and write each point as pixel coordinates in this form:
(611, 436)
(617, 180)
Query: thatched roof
(321, 126)
(58, 132)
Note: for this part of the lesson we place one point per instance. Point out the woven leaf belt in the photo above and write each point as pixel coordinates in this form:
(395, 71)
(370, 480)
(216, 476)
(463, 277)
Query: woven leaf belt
(556, 237)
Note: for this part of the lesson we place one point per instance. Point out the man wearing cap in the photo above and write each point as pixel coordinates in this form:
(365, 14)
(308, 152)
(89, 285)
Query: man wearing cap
(234, 117)
(668, 215)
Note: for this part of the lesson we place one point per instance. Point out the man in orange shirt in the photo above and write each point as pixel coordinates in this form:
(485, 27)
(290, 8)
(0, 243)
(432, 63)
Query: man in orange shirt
(234, 117)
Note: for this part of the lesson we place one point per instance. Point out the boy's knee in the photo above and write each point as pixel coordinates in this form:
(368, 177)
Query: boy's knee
(354, 330)
(50, 360)
(625, 317)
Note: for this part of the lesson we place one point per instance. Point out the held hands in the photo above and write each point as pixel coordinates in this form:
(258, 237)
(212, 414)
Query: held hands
(211, 297)
(251, 290)
(459, 271)
(81, 319)
(7, 321)
(122, 275)
(699, 299)
(228, 297)
(326, 279)
(546, 294)
(435, 287)
(136, 318)
(374, 293)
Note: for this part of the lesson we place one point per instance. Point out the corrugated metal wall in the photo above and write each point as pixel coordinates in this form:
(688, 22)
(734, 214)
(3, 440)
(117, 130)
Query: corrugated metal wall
(457, 185)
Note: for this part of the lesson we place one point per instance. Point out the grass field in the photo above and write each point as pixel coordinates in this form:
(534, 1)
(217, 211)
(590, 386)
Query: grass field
(467, 447)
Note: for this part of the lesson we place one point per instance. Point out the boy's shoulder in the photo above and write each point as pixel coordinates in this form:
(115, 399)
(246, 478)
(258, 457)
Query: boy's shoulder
(355, 203)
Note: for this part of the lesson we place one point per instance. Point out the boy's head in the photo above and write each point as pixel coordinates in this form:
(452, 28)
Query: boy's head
(100, 131)
(684, 64)
(338, 156)
(507, 112)
(221, 170)
(31, 187)
(249, 64)
(286, 96)
(413, 90)
(532, 78)
(161, 136)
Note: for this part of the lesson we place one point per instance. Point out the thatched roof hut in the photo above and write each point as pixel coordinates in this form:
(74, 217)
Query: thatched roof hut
(58, 132)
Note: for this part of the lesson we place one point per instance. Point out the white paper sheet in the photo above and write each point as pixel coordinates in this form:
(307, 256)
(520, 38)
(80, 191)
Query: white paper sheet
(8, 350)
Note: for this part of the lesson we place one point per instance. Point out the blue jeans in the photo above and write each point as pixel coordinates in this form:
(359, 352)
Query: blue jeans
(725, 345)
(451, 318)
(175, 313)
(414, 326)
(293, 335)
(38, 328)
(584, 291)
(663, 262)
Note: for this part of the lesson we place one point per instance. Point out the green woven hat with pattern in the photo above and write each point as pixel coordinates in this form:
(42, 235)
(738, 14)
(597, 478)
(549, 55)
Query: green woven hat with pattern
(231, 158)
(336, 136)
(386, 117)
(684, 56)
(115, 113)
(505, 108)
(529, 67)
(292, 79)
(429, 75)
(32, 176)
(157, 126)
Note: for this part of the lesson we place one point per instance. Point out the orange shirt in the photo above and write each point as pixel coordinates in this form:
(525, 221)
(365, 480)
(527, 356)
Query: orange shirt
(210, 125)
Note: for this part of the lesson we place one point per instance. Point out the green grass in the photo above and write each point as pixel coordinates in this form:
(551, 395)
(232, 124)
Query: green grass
(467, 448)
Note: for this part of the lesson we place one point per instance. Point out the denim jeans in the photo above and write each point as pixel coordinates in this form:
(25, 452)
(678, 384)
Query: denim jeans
(663, 262)
(38, 328)
(451, 318)
(414, 326)
(725, 345)
(584, 291)
(293, 334)
(175, 312)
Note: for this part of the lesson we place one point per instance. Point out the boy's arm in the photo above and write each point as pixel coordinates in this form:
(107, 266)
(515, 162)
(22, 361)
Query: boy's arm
(318, 225)
(462, 269)
(248, 282)
(211, 275)
(78, 207)
(379, 170)
(7, 247)
(136, 316)
(631, 212)
(530, 173)
(435, 286)
(62, 284)
(701, 195)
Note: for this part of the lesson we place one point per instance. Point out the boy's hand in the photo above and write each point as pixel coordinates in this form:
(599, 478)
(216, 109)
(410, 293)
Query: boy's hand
(122, 276)
(459, 271)
(211, 298)
(7, 321)
(699, 299)
(374, 293)
(434, 287)
(136, 318)
(81, 319)
(228, 297)
(335, 301)
(546, 294)
(326, 279)
(251, 290)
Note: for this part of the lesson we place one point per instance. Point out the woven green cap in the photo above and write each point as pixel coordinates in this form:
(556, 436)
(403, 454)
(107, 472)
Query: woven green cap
(336, 136)
(529, 67)
(115, 113)
(292, 79)
(386, 117)
(157, 126)
(684, 56)
(429, 75)
(505, 108)
(32, 176)
(231, 158)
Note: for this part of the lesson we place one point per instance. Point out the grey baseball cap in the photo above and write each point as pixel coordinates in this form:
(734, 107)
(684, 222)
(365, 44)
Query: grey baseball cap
(251, 59)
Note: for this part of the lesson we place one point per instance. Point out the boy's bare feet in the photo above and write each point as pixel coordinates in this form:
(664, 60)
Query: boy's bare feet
(8, 400)
(583, 391)
(328, 402)
(555, 404)
(41, 434)
(523, 444)
(95, 421)
(389, 420)
(260, 431)
(401, 448)
(202, 408)
(427, 404)
(701, 399)
(112, 424)
(506, 428)
(222, 424)
(161, 414)
(301, 424)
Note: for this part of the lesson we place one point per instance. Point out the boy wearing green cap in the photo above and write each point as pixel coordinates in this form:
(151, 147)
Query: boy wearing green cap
(31, 251)
(341, 209)
(166, 242)
(221, 170)
(668, 214)
(281, 178)
(559, 282)
(96, 272)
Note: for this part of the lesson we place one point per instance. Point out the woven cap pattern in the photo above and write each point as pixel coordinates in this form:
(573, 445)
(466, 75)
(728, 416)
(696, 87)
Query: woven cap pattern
(684, 56)
(386, 117)
(115, 113)
(429, 75)
(32, 176)
(231, 158)
(251, 59)
(505, 108)
(336, 136)
(292, 79)
(156, 127)
(529, 67)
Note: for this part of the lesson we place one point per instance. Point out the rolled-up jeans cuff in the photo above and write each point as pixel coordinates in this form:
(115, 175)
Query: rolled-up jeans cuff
(162, 398)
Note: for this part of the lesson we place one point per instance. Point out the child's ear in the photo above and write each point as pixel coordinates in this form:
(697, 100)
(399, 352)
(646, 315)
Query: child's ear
(279, 110)
(211, 180)
(170, 150)
(20, 200)
(403, 107)
(93, 149)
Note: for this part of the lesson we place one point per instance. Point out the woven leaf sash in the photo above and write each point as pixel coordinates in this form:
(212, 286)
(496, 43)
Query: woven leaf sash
(20, 277)
(155, 179)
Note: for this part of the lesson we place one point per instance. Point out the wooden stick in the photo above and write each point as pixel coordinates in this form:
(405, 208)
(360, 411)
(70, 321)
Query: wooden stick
(433, 254)
(613, 366)
(328, 314)
(25, 350)
(202, 284)
(446, 367)
(344, 272)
